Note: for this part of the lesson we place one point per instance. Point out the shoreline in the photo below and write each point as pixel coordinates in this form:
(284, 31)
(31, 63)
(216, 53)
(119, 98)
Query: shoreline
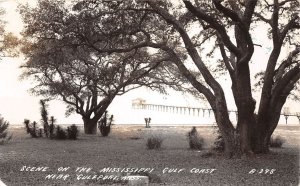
(158, 125)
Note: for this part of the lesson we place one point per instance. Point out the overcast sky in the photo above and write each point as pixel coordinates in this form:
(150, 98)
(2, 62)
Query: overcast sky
(16, 103)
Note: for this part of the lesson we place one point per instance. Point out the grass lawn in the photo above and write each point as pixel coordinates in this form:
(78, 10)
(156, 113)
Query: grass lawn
(125, 147)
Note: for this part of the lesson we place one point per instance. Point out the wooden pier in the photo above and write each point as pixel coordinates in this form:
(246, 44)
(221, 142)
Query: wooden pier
(194, 111)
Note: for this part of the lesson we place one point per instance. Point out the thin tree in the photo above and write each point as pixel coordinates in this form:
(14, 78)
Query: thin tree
(44, 115)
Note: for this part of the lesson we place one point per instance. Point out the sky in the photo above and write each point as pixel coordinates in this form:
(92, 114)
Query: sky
(16, 103)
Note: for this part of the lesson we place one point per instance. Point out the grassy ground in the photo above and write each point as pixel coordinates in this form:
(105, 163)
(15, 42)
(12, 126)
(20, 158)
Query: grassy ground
(125, 148)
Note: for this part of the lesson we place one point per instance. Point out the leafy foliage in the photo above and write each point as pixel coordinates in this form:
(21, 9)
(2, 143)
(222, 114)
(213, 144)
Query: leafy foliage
(4, 137)
(75, 53)
(73, 132)
(276, 142)
(8, 41)
(61, 134)
(219, 143)
(196, 142)
(105, 123)
(40, 132)
(31, 128)
(52, 127)
(154, 142)
(54, 131)
(105, 130)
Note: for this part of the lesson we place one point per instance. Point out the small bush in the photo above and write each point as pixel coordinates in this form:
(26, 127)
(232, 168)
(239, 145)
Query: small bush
(52, 127)
(73, 132)
(27, 127)
(4, 137)
(219, 143)
(31, 128)
(51, 131)
(276, 142)
(104, 130)
(60, 133)
(33, 131)
(105, 123)
(154, 142)
(195, 141)
(40, 133)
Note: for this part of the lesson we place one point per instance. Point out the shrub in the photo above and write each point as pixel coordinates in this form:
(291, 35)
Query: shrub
(33, 131)
(154, 142)
(4, 131)
(73, 132)
(104, 130)
(54, 132)
(40, 133)
(195, 141)
(31, 128)
(219, 143)
(276, 142)
(51, 131)
(105, 123)
(60, 133)
(51, 127)
(26, 123)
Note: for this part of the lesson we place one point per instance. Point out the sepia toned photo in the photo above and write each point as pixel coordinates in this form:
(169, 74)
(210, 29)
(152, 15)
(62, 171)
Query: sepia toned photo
(149, 92)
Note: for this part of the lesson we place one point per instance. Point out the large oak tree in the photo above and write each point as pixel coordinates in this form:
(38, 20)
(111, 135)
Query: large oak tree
(69, 56)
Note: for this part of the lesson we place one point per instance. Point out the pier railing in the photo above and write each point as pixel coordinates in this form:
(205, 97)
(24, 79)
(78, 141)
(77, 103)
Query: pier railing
(198, 111)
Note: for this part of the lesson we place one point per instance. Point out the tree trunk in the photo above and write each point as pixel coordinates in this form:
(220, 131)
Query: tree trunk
(90, 126)
(226, 128)
(245, 130)
(266, 124)
(245, 106)
(229, 135)
(259, 141)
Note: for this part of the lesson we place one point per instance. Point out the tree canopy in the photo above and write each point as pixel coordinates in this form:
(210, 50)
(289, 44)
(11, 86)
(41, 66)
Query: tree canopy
(8, 41)
(68, 52)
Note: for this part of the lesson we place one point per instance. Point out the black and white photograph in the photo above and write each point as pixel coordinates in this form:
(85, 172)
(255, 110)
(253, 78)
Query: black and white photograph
(149, 92)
